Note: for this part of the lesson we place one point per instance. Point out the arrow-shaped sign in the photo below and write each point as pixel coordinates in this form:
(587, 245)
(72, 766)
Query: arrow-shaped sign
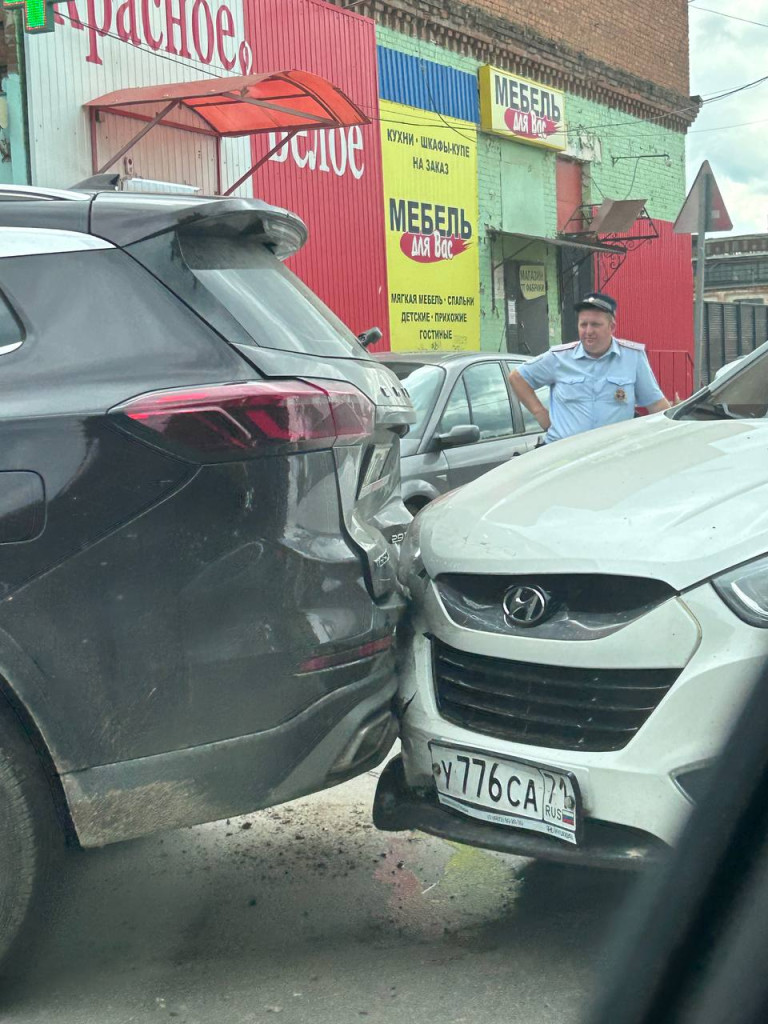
(38, 14)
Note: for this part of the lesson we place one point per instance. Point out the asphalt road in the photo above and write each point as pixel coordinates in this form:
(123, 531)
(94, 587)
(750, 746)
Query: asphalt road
(306, 914)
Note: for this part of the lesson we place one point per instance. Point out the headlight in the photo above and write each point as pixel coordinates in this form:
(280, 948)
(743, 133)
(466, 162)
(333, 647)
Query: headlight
(410, 568)
(745, 591)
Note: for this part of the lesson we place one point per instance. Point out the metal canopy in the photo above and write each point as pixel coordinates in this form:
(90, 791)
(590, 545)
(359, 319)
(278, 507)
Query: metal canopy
(614, 224)
(572, 243)
(276, 101)
(619, 226)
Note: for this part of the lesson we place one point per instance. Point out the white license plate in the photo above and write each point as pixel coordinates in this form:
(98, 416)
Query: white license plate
(505, 792)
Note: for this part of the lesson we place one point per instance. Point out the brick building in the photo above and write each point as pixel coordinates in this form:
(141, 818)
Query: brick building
(622, 71)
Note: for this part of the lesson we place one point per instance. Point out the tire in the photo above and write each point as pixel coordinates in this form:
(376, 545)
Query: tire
(31, 839)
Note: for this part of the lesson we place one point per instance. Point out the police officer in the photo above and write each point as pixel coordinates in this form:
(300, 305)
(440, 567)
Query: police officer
(596, 380)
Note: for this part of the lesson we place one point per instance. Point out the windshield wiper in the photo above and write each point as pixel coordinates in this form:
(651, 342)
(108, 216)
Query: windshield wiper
(717, 411)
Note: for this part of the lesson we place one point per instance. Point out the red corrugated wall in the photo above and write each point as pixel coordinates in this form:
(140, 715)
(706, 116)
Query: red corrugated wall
(344, 260)
(654, 290)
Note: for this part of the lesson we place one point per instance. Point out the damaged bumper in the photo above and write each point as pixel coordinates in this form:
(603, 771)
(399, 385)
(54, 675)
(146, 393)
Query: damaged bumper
(397, 808)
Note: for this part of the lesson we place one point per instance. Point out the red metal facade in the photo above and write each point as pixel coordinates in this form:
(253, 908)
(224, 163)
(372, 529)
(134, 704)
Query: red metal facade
(338, 190)
(654, 290)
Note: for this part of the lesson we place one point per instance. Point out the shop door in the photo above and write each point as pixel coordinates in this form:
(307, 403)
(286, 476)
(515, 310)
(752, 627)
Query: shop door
(577, 279)
(527, 315)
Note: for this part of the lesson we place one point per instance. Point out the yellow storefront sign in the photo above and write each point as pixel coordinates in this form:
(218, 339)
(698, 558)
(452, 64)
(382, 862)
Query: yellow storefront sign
(430, 206)
(520, 109)
(533, 280)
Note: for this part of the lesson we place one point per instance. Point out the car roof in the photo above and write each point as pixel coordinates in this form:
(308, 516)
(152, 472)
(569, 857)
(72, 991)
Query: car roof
(443, 358)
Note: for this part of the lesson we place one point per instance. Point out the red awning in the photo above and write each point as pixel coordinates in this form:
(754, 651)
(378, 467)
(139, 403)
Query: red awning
(275, 101)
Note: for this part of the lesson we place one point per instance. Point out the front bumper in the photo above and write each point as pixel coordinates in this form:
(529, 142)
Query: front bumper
(397, 808)
(632, 805)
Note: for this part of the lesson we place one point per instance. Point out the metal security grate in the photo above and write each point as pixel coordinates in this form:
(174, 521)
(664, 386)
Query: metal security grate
(546, 705)
(731, 329)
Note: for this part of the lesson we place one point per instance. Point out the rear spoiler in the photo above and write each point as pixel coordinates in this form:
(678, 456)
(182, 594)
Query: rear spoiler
(127, 218)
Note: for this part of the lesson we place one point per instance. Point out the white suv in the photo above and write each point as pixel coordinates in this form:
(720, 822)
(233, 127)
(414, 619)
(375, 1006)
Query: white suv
(586, 623)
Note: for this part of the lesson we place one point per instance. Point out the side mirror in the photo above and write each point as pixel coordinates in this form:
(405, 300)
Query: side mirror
(370, 337)
(465, 433)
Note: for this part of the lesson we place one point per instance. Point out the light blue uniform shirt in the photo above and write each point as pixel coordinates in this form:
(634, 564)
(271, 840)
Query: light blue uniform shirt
(587, 392)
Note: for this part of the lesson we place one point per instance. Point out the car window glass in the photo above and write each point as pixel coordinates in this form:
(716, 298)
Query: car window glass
(233, 282)
(530, 423)
(11, 331)
(456, 412)
(423, 386)
(489, 400)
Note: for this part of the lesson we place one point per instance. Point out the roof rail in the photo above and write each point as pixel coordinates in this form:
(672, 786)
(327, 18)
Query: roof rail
(16, 193)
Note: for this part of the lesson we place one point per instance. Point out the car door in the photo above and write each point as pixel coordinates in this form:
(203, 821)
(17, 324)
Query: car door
(529, 430)
(480, 397)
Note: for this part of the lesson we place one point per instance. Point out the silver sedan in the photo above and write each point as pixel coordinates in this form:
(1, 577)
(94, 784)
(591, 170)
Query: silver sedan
(468, 419)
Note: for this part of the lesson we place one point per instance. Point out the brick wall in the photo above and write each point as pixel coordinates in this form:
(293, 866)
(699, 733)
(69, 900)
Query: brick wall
(647, 38)
(660, 180)
(623, 54)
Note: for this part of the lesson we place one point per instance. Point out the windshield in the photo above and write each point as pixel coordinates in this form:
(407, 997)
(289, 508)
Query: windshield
(744, 396)
(246, 294)
(423, 385)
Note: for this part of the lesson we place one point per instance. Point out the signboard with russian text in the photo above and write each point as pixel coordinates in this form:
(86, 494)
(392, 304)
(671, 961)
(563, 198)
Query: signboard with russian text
(533, 280)
(431, 219)
(520, 109)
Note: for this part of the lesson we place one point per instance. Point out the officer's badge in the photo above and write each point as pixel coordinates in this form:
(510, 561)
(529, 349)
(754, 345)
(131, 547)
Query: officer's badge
(621, 395)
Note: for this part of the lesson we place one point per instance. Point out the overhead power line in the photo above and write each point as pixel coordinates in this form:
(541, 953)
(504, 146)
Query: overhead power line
(732, 17)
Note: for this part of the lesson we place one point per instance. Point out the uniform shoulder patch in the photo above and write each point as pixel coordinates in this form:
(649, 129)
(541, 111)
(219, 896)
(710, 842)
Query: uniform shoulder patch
(636, 345)
(564, 348)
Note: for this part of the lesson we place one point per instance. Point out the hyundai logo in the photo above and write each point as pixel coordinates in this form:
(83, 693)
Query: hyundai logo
(525, 605)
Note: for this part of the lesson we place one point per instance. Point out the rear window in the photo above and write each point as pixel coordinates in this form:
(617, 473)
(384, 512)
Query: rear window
(245, 293)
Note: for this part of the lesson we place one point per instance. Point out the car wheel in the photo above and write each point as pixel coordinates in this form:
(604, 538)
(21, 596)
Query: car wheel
(415, 505)
(30, 836)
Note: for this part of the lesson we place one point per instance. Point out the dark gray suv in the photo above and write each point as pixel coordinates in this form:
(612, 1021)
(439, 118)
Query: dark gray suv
(199, 483)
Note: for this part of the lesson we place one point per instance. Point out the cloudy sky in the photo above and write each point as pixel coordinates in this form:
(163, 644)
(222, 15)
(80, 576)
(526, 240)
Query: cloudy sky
(732, 133)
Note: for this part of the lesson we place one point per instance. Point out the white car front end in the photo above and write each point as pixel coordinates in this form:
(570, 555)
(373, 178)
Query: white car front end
(586, 736)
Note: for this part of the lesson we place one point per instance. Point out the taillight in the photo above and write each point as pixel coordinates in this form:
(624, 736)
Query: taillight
(216, 422)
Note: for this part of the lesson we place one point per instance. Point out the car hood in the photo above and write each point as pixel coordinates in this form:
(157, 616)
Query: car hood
(675, 500)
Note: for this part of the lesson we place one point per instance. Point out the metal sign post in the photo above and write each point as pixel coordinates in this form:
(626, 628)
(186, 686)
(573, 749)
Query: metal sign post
(698, 302)
(702, 211)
